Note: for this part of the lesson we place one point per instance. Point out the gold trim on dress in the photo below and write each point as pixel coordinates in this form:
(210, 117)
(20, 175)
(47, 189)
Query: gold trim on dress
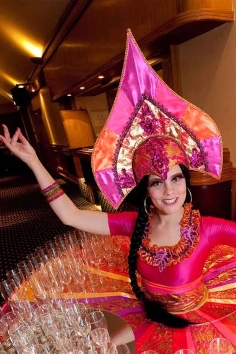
(181, 303)
(167, 288)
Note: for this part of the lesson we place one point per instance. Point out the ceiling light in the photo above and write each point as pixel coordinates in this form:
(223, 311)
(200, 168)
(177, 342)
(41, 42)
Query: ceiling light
(95, 87)
(101, 77)
(82, 87)
(69, 95)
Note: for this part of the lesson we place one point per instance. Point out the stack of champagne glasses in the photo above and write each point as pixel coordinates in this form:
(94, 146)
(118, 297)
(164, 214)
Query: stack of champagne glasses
(59, 326)
(44, 317)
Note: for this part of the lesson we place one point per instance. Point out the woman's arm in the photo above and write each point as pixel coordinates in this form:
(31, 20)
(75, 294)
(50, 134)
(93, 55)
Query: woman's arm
(219, 231)
(63, 207)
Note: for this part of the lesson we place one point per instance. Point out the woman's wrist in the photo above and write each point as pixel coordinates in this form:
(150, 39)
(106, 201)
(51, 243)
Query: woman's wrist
(34, 162)
(43, 177)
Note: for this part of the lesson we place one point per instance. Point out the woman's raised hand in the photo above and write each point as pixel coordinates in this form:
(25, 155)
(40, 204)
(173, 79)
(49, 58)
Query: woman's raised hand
(18, 145)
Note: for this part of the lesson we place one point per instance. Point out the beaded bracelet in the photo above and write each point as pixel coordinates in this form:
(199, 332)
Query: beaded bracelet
(52, 192)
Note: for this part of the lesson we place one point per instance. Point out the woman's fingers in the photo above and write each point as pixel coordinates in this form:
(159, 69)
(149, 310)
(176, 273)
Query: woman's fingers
(18, 145)
(15, 137)
(4, 140)
(11, 143)
(6, 133)
(22, 138)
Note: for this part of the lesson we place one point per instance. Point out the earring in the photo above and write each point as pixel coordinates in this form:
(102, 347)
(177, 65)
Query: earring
(145, 205)
(190, 195)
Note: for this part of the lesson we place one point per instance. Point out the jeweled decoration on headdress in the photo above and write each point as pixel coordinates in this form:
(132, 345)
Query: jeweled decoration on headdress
(149, 130)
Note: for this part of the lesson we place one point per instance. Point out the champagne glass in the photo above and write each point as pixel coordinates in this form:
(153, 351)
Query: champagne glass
(75, 310)
(42, 255)
(8, 319)
(123, 349)
(7, 288)
(25, 269)
(14, 275)
(21, 336)
(72, 241)
(51, 249)
(37, 286)
(60, 245)
(3, 330)
(82, 327)
(96, 319)
(100, 337)
(220, 346)
(34, 261)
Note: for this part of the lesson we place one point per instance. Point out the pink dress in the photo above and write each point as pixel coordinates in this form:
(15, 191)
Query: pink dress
(202, 288)
(200, 285)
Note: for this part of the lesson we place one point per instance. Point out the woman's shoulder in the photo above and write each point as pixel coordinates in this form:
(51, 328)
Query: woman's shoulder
(122, 222)
(218, 231)
(217, 224)
(123, 217)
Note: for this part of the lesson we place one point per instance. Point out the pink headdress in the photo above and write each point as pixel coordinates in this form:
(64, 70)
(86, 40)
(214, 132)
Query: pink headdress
(149, 130)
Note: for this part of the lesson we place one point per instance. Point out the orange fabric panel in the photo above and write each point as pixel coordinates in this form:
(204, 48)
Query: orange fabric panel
(199, 122)
(104, 150)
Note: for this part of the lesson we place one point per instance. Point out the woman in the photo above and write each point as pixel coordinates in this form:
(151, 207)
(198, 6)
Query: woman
(167, 198)
(152, 138)
(182, 284)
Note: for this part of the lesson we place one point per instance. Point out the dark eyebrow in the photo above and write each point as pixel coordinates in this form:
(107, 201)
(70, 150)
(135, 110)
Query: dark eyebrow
(178, 175)
(156, 178)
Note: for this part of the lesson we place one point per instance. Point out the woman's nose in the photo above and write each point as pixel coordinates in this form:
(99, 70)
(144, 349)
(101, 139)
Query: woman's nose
(168, 189)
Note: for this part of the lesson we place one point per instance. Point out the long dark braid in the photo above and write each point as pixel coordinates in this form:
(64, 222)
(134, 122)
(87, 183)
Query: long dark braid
(154, 309)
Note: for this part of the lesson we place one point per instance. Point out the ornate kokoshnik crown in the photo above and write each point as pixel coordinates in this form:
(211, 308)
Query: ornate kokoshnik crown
(149, 130)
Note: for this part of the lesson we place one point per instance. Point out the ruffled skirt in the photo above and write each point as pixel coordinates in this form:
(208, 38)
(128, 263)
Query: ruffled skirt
(101, 280)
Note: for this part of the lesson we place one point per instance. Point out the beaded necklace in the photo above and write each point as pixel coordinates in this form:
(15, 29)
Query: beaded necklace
(163, 256)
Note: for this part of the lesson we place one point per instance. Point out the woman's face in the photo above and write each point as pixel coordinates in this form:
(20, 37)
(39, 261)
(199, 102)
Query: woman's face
(168, 196)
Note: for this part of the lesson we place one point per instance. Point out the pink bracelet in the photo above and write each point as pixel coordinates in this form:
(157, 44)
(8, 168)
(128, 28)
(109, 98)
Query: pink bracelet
(52, 192)
(49, 187)
(53, 197)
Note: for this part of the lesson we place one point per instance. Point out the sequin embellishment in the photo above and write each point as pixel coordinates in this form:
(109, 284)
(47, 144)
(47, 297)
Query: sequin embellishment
(170, 255)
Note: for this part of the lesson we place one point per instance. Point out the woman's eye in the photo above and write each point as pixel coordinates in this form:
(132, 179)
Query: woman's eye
(177, 178)
(156, 183)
